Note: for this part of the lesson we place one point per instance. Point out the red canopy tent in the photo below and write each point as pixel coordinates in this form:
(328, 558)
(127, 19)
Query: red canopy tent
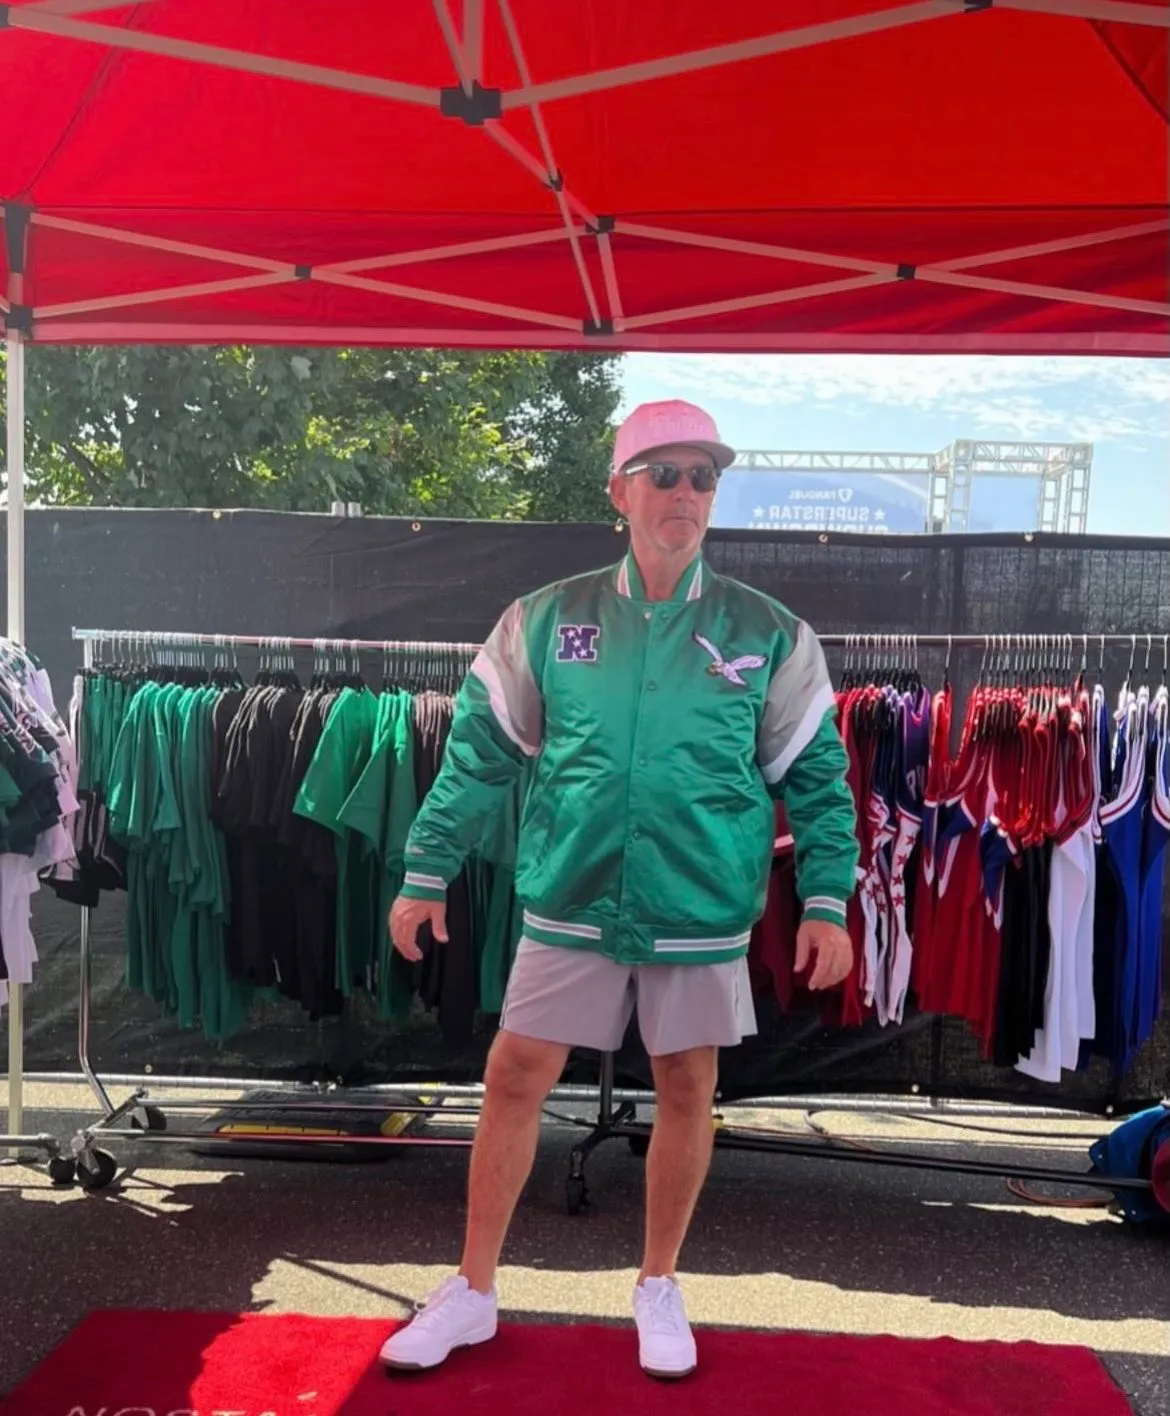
(809, 175)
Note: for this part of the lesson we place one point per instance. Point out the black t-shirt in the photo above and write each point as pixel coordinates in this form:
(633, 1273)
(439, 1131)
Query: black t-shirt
(310, 854)
(223, 715)
(448, 974)
(283, 930)
(261, 947)
(1025, 952)
(311, 842)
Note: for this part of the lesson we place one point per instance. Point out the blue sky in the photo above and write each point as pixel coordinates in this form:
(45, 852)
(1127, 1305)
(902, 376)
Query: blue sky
(919, 403)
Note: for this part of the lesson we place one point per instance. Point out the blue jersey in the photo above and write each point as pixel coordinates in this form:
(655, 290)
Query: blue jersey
(1122, 824)
(1155, 834)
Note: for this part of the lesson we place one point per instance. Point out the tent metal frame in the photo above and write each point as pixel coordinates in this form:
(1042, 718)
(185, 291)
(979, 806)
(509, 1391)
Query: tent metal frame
(141, 1118)
(68, 323)
(610, 327)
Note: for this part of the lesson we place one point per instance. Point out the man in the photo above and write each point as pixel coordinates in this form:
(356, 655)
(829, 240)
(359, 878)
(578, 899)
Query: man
(663, 710)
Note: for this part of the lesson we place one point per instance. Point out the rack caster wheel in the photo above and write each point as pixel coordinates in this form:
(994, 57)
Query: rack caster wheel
(576, 1194)
(639, 1146)
(95, 1169)
(148, 1118)
(62, 1170)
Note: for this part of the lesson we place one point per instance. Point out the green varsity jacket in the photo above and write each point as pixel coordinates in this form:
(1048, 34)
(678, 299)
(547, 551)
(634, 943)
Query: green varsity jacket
(656, 737)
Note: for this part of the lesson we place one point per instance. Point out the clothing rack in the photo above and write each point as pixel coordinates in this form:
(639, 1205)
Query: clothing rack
(617, 1110)
(617, 1117)
(143, 1117)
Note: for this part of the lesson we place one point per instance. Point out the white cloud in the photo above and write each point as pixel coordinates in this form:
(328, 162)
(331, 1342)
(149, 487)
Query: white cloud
(1026, 416)
(1077, 399)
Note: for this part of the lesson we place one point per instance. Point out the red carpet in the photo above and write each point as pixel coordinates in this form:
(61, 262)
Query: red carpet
(216, 1364)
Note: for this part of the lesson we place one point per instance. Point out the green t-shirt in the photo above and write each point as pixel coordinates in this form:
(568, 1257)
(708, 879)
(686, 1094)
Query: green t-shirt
(364, 809)
(10, 794)
(380, 809)
(144, 816)
(158, 780)
(223, 1000)
(340, 759)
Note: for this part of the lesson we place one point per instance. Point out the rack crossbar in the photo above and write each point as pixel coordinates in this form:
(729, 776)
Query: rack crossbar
(182, 640)
(166, 639)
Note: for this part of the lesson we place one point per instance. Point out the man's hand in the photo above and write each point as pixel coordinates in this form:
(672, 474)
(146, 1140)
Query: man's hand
(408, 916)
(833, 948)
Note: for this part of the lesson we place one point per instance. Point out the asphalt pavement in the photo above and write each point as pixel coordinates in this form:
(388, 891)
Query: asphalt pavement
(778, 1243)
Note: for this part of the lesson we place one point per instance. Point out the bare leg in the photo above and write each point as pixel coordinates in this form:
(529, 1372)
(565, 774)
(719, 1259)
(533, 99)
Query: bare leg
(520, 1074)
(679, 1155)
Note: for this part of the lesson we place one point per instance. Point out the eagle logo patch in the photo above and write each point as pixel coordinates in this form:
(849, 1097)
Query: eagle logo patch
(730, 669)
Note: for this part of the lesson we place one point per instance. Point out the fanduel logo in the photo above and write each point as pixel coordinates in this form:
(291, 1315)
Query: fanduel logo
(821, 494)
(578, 643)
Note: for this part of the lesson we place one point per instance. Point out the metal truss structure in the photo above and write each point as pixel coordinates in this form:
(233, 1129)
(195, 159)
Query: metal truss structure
(1062, 471)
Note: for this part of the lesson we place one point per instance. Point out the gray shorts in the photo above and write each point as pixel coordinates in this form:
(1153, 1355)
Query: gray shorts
(581, 999)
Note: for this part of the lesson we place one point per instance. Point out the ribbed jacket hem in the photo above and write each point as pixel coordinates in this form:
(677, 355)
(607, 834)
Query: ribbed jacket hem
(641, 944)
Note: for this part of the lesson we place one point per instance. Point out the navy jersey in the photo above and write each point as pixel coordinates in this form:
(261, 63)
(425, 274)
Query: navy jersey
(1155, 833)
(1122, 821)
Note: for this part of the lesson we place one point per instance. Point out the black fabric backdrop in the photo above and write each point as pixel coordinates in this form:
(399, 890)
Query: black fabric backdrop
(314, 576)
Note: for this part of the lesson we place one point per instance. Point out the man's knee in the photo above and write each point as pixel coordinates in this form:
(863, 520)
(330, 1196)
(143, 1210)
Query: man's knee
(686, 1081)
(523, 1069)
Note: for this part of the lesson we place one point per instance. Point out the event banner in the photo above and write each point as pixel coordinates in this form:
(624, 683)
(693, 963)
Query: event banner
(867, 503)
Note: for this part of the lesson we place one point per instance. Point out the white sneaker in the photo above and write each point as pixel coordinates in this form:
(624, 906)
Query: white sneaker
(666, 1345)
(455, 1315)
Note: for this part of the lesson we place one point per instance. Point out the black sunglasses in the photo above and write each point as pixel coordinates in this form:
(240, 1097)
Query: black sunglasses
(665, 475)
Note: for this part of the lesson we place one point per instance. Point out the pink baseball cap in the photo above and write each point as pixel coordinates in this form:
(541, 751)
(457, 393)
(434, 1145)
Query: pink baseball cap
(665, 424)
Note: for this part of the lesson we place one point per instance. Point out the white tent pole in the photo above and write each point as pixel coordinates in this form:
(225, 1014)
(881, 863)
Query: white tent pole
(609, 270)
(164, 296)
(473, 37)
(452, 302)
(762, 46)
(1057, 294)
(553, 174)
(417, 256)
(1115, 342)
(454, 45)
(1065, 243)
(752, 302)
(1115, 11)
(70, 7)
(766, 250)
(26, 17)
(15, 520)
(15, 419)
(155, 243)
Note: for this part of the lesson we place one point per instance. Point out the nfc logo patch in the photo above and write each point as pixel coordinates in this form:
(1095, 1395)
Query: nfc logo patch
(578, 643)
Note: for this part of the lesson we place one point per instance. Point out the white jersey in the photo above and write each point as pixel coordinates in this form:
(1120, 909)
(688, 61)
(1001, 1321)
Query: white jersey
(34, 734)
(1069, 1006)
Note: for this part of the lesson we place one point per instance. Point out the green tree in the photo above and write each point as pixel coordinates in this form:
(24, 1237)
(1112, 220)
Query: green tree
(403, 432)
(567, 471)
